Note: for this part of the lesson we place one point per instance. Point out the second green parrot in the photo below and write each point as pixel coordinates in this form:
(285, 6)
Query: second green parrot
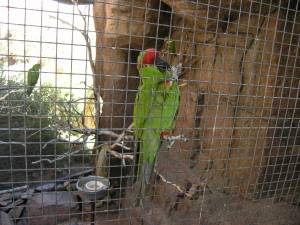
(33, 75)
(155, 109)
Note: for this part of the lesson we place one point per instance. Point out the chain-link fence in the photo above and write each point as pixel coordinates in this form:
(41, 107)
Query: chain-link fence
(149, 112)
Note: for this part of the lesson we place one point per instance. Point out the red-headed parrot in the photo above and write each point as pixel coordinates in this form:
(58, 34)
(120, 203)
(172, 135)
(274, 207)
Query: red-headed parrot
(155, 109)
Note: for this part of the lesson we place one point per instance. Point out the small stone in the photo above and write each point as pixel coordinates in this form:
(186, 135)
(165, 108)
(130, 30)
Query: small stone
(46, 187)
(5, 219)
(48, 208)
(16, 212)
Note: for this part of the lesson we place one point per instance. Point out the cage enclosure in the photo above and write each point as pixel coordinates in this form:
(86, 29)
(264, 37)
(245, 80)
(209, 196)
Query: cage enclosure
(74, 77)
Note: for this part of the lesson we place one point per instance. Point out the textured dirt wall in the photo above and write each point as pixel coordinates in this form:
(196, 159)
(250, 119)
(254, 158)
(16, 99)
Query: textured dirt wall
(236, 59)
(121, 32)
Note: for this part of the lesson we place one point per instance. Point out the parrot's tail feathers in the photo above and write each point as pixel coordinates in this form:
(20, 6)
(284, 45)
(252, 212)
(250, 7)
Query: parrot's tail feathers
(143, 183)
(147, 172)
(29, 91)
(140, 189)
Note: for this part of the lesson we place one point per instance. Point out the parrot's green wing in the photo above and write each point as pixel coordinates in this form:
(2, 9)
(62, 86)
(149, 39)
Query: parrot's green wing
(32, 78)
(150, 76)
(170, 106)
(162, 116)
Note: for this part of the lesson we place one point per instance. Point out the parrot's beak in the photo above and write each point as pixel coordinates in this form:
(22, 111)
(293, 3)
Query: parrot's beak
(160, 63)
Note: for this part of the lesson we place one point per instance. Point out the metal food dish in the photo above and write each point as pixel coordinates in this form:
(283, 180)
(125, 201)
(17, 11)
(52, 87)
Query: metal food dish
(93, 187)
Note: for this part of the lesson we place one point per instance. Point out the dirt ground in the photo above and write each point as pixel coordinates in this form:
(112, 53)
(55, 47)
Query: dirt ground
(214, 209)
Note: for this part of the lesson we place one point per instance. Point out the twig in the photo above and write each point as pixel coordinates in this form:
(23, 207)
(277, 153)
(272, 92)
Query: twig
(77, 100)
(58, 158)
(13, 143)
(65, 140)
(36, 132)
(97, 96)
(122, 146)
(112, 152)
(14, 189)
(121, 156)
(88, 131)
(122, 135)
(178, 188)
(76, 174)
(12, 107)
(190, 194)
(7, 94)
(83, 33)
(9, 87)
(87, 39)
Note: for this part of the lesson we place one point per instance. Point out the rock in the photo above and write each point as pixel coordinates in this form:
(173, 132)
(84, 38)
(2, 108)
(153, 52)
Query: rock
(46, 187)
(5, 219)
(13, 204)
(27, 194)
(48, 208)
(5, 197)
(16, 212)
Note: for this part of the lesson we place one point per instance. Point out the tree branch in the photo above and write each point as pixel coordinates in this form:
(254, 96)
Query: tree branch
(12, 190)
(10, 92)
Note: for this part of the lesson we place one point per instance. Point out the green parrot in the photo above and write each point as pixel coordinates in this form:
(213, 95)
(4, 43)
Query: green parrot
(171, 46)
(33, 75)
(155, 109)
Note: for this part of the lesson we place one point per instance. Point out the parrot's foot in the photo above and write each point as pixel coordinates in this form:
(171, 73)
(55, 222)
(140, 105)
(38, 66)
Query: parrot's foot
(176, 71)
(172, 139)
(138, 203)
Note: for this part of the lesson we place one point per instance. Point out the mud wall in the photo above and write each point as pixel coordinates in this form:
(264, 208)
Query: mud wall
(240, 105)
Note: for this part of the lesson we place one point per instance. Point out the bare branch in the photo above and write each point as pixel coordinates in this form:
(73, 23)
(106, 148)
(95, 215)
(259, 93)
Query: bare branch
(112, 152)
(10, 92)
(120, 155)
(14, 189)
(121, 136)
(85, 36)
(87, 39)
(13, 143)
(67, 154)
(122, 146)
(177, 187)
(191, 193)
(36, 132)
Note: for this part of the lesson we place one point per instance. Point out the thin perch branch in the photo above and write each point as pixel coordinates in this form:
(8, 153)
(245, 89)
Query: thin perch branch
(10, 92)
(14, 189)
(85, 36)
(112, 152)
(178, 188)
(58, 158)
(120, 137)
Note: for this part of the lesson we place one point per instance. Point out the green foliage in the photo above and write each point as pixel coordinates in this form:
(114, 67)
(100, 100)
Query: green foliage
(29, 122)
(30, 126)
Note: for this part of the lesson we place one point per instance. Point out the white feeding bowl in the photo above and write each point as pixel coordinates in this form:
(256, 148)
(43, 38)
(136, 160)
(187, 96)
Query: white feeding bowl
(93, 187)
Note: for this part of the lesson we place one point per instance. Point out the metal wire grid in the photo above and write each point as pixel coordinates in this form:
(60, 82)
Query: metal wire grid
(275, 179)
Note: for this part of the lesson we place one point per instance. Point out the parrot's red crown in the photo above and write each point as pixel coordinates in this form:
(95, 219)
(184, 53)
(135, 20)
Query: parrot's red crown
(150, 55)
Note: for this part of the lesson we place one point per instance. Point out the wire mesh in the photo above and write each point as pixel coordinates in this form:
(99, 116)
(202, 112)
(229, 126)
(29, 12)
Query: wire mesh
(231, 155)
